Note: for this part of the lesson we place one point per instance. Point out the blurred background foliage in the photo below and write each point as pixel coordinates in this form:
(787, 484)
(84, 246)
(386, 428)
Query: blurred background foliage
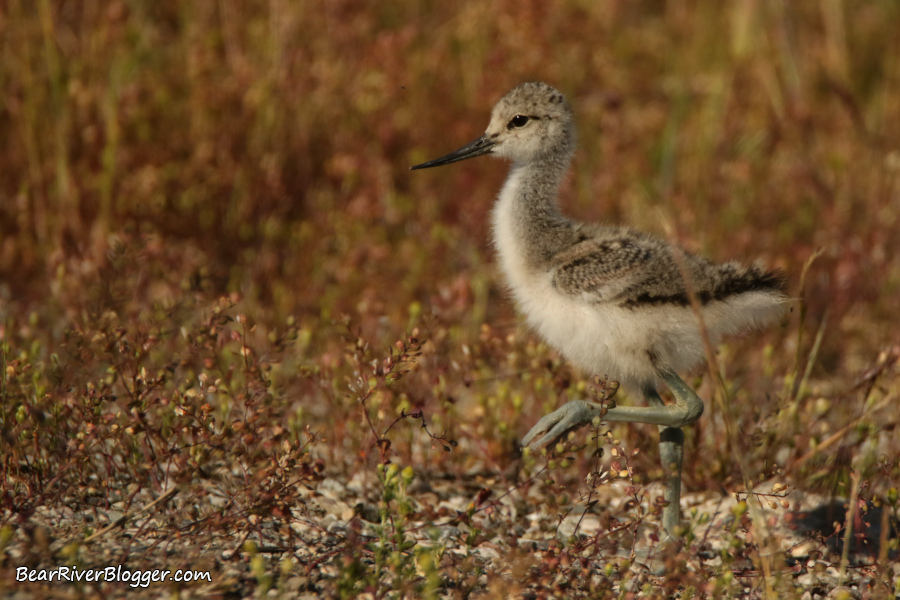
(158, 154)
(210, 245)
(262, 147)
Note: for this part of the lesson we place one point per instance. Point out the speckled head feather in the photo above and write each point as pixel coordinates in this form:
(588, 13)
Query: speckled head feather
(530, 121)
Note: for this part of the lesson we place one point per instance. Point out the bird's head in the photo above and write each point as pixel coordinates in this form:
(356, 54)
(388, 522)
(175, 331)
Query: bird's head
(532, 122)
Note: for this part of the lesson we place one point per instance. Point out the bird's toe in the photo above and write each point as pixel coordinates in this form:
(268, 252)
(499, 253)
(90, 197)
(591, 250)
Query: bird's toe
(558, 423)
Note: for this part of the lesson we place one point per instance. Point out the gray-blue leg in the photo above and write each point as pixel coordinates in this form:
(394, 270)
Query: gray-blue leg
(670, 418)
(671, 455)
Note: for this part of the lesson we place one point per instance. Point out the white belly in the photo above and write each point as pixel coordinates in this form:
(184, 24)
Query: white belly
(628, 344)
(602, 339)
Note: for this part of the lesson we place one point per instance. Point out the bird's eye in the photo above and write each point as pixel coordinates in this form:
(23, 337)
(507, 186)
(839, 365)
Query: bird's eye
(518, 121)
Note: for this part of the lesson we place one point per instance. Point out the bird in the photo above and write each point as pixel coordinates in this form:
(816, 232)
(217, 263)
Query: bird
(610, 299)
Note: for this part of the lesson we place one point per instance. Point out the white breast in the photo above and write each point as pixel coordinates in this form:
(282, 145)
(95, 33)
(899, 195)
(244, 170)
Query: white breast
(602, 339)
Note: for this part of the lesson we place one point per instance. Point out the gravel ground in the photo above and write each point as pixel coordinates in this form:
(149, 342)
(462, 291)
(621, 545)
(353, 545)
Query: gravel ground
(301, 556)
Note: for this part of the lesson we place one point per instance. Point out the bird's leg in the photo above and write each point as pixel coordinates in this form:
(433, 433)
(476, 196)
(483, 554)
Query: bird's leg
(670, 418)
(671, 454)
(687, 408)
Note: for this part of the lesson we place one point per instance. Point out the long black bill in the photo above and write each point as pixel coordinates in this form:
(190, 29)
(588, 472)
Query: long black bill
(480, 146)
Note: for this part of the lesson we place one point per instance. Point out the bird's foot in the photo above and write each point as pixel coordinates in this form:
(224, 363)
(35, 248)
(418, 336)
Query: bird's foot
(566, 418)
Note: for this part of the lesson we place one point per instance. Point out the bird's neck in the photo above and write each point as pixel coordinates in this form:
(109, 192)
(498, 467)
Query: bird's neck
(528, 224)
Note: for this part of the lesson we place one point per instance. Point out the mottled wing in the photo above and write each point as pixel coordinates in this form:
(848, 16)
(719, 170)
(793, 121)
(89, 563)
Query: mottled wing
(635, 269)
(603, 268)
